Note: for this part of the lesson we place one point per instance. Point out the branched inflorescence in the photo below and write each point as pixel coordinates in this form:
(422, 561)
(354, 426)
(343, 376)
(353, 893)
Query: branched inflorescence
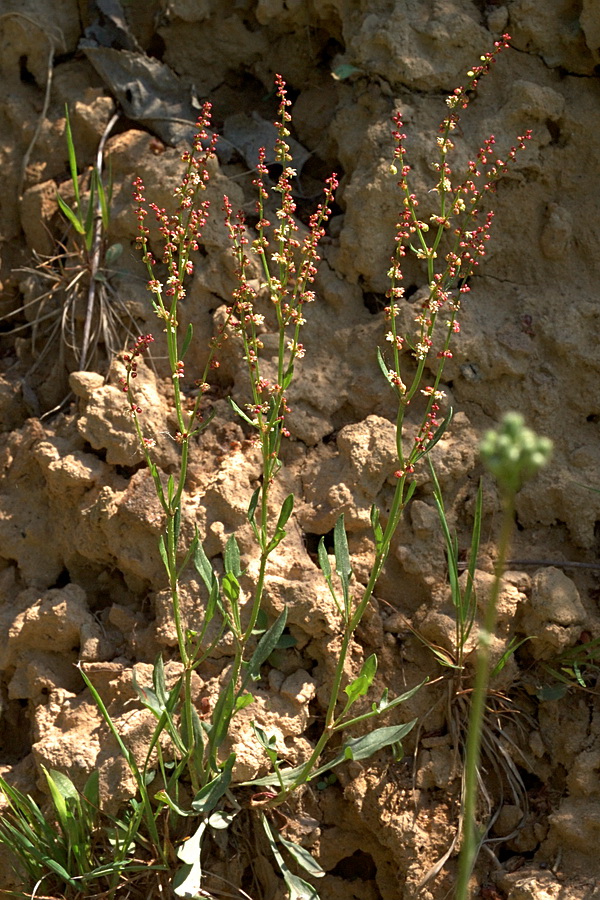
(289, 269)
(182, 234)
(464, 233)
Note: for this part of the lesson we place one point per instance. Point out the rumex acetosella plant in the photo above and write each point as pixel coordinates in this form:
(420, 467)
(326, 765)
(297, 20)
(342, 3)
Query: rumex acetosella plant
(197, 796)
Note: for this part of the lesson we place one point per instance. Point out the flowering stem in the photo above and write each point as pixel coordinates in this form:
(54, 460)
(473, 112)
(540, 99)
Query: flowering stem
(470, 842)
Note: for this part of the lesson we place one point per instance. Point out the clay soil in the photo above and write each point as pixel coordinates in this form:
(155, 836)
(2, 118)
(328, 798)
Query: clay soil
(80, 574)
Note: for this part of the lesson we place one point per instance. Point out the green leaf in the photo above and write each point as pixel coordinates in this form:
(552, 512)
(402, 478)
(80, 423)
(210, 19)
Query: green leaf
(195, 734)
(91, 791)
(264, 648)
(377, 529)
(162, 547)
(72, 158)
(176, 525)
(90, 213)
(262, 620)
(342, 561)
(548, 692)
(361, 684)
(240, 412)
(286, 511)
(512, 648)
(203, 566)
(112, 254)
(187, 340)
(158, 680)
(253, 504)
(285, 642)
(163, 797)
(147, 696)
(297, 887)
(231, 587)
(411, 489)
(267, 743)
(207, 798)
(104, 206)
(342, 556)
(288, 378)
(63, 784)
(381, 706)
(231, 557)
(220, 719)
(61, 872)
(303, 858)
(243, 701)
(69, 214)
(365, 746)
(158, 485)
(59, 800)
(383, 367)
(324, 560)
(343, 71)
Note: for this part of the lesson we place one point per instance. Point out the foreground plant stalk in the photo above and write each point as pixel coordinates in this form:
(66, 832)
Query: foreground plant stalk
(512, 454)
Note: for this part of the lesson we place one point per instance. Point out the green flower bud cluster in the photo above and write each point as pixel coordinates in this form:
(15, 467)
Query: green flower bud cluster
(513, 453)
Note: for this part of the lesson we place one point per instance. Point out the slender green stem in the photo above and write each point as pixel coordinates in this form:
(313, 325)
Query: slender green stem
(478, 698)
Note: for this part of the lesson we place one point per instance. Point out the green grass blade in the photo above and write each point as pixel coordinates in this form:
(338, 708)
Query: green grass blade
(70, 215)
(72, 161)
(129, 758)
(103, 201)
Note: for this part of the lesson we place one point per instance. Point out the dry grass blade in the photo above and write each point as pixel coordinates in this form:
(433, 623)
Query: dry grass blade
(56, 290)
(507, 787)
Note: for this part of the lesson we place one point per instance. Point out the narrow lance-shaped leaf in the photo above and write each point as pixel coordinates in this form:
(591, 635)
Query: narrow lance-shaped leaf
(158, 680)
(203, 566)
(170, 489)
(324, 560)
(326, 569)
(286, 511)
(162, 547)
(377, 529)
(264, 648)
(342, 555)
(303, 858)
(72, 158)
(220, 719)
(90, 212)
(383, 367)
(103, 201)
(69, 214)
(342, 561)
(379, 707)
(207, 798)
(297, 887)
(231, 557)
(187, 340)
(253, 504)
(365, 746)
(361, 684)
(241, 413)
